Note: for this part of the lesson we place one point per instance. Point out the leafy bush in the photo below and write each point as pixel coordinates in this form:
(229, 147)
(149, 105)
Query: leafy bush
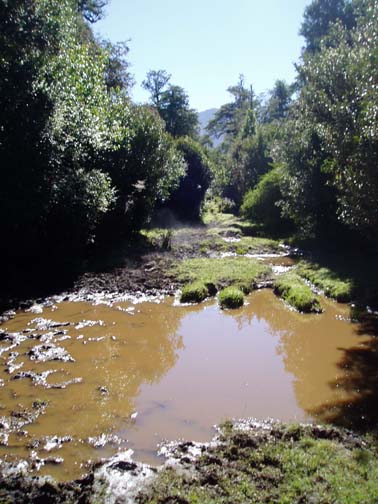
(144, 166)
(231, 297)
(261, 203)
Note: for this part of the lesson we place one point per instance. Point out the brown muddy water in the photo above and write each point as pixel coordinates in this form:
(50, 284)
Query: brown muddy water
(80, 382)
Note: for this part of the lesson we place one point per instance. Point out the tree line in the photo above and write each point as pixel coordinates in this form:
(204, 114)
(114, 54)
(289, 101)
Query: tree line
(304, 157)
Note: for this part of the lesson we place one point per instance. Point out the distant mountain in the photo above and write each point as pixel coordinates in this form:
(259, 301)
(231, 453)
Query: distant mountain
(204, 119)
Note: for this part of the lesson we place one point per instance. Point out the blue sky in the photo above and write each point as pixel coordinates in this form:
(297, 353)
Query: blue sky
(206, 44)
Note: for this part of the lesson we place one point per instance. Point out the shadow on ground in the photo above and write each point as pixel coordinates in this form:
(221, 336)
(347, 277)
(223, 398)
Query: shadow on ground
(360, 382)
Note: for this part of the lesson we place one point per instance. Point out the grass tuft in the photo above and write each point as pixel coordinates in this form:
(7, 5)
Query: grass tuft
(231, 297)
(194, 293)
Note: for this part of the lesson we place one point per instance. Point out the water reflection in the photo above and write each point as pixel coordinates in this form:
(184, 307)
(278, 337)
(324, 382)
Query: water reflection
(114, 355)
(333, 363)
(359, 367)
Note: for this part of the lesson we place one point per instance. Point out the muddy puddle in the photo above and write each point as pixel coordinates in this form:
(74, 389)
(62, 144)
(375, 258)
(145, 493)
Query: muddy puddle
(79, 382)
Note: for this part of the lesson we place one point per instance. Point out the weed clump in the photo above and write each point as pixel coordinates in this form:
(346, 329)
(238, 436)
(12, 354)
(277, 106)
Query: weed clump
(231, 297)
(294, 291)
(194, 293)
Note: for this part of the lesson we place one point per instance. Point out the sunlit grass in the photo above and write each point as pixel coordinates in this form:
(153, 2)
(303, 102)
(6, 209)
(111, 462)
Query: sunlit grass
(327, 280)
(292, 288)
(292, 465)
(221, 272)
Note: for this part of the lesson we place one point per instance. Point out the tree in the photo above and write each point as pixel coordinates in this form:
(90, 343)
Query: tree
(340, 97)
(320, 15)
(332, 144)
(155, 83)
(180, 119)
(92, 10)
(172, 104)
(309, 200)
(278, 104)
(247, 160)
(117, 75)
(229, 120)
(28, 38)
(144, 165)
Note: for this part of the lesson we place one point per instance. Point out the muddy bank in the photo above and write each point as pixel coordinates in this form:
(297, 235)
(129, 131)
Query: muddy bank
(246, 461)
(149, 275)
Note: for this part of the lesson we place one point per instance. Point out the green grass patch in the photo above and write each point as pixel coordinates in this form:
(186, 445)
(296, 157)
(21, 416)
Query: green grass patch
(194, 293)
(221, 219)
(231, 297)
(240, 271)
(328, 281)
(284, 465)
(296, 293)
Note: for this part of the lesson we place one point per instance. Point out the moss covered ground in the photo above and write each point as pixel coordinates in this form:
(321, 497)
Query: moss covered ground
(240, 245)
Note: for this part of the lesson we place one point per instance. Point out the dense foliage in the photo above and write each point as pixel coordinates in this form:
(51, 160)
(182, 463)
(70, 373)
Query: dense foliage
(261, 204)
(331, 158)
(73, 149)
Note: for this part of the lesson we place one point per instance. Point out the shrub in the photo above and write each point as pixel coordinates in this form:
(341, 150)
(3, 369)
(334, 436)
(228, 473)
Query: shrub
(231, 297)
(261, 203)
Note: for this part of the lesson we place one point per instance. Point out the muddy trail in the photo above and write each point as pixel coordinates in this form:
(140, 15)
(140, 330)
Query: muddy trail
(149, 270)
(95, 378)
